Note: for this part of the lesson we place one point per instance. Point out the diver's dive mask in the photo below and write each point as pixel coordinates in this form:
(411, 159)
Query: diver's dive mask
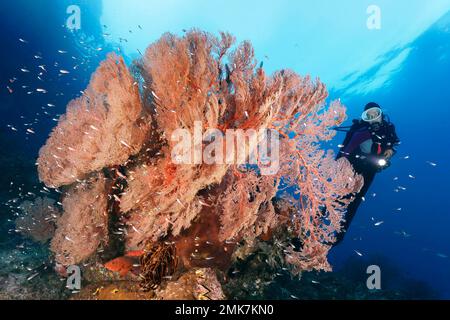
(372, 115)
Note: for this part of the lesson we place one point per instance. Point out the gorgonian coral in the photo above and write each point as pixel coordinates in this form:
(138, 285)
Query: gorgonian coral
(38, 220)
(245, 207)
(127, 120)
(83, 226)
(102, 128)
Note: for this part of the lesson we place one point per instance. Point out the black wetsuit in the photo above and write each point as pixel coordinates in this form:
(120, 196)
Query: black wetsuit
(383, 137)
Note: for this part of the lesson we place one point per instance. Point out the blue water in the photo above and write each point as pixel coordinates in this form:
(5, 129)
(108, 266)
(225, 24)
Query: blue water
(407, 75)
(417, 99)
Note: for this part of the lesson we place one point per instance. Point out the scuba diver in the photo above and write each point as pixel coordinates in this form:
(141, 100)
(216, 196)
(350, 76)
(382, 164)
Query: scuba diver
(369, 146)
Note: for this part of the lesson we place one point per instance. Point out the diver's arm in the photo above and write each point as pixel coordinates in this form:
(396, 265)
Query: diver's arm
(389, 153)
(393, 139)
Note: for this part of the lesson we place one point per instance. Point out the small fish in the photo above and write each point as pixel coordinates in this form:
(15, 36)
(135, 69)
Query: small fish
(30, 131)
(315, 282)
(23, 40)
(33, 276)
(125, 144)
(441, 255)
(402, 233)
(358, 253)
(411, 176)
(154, 94)
(433, 164)
(134, 253)
(24, 70)
(295, 297)
(378, 223)
(41, 90)
(62, 71)
(62, 51)
(203, 204)
(120, 174)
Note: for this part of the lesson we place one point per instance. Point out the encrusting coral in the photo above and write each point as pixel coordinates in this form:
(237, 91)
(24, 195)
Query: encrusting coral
(126, 120)
(196, 284)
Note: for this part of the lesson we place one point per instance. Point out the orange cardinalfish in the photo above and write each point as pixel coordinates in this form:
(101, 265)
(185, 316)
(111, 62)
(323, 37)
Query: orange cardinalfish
(134, 253)
(125, 264)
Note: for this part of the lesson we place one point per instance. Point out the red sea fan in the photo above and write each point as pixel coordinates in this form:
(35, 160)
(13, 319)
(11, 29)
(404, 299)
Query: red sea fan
(323, 185)
(38, 221)
(179, 82)
(84, 225)
(101, 128)
(184, 84)
(162, 197)
(180, 74)
(245, 207)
